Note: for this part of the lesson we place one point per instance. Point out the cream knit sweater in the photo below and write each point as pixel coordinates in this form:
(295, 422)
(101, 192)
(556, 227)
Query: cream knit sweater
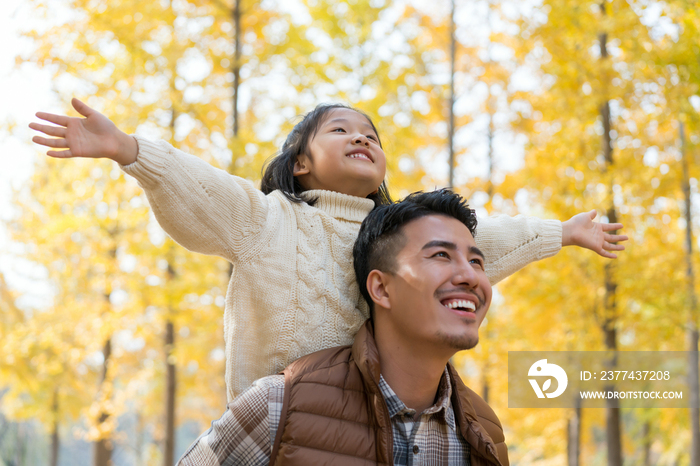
(293, 290)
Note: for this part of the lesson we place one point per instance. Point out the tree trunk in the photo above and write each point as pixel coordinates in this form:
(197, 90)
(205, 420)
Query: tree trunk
(693, 339)
(485, 382)
(21, 448)
(236, 63)
(170, 386)
(139, 439)
(573, 436)
(236, 69)
(53, 460)
(692, 332)
(169, 454)
(489, 189)
(490, 110)
(451, 103)
(103, 447)
(612, 406)
(646, 442)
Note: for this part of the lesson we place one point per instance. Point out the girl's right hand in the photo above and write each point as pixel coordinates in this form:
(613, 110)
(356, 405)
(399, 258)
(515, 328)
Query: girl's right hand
(94, 136)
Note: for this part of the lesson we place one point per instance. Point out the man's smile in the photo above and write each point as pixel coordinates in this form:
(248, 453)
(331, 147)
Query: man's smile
(461, 303)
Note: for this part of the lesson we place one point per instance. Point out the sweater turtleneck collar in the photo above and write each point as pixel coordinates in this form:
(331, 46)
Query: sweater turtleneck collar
(341, 206)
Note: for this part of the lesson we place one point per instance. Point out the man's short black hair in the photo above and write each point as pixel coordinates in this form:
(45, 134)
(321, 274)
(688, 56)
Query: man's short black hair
(381, 239)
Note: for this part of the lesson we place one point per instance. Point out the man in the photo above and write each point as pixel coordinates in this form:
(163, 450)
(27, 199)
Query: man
(391, 397)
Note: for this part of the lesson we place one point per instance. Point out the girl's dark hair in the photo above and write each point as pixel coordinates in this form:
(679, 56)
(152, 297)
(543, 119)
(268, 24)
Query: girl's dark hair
(279, 171)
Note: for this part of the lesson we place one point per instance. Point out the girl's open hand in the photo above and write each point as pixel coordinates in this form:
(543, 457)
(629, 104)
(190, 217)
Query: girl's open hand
(580, 230)
(94, 136)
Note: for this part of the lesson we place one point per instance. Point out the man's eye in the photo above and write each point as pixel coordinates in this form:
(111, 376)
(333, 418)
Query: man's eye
(441, 254)
(478, 262)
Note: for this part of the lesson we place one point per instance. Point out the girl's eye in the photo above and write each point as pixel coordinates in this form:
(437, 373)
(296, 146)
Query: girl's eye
(372, 137)
(339, 129)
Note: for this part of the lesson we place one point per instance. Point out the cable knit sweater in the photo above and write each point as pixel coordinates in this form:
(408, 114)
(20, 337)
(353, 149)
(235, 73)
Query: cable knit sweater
(292, 291)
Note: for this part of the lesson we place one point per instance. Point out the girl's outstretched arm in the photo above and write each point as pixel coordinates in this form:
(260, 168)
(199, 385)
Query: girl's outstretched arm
(580, 230)
(510, 243)
(94, 136)
(201, 207)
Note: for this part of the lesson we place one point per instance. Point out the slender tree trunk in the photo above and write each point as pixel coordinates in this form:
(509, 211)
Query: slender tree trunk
(490, 109)
(139, 439)
(169, 454)
(170, 382)
(485, 382)
(236, 62)
(692, 330)
(102, 453)
(451, 103)
(21, 450)
(693, 361)
(612, 406)
(489, 189)
(646, 443)
(236, 69)
(573, 436)
(53, 460)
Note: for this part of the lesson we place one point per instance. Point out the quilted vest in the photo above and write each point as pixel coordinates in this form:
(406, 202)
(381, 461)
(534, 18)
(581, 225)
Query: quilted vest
(334, 412)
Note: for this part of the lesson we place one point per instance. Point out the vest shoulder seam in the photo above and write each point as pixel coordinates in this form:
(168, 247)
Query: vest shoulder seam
(292, 410)
(311, 382)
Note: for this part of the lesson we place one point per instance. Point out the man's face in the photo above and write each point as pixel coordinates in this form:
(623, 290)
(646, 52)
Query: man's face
(439, 292)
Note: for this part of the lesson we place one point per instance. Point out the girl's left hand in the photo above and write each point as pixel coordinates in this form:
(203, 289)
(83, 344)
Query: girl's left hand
(580, 230)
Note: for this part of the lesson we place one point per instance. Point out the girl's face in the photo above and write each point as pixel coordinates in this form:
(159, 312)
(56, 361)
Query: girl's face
(345, 156)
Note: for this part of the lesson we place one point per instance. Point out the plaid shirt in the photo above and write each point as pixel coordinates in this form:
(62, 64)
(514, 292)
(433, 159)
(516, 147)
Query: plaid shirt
(434, 438)
(245, 433)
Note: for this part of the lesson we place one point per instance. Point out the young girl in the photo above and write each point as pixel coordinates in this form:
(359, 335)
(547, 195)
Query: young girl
(293, 290)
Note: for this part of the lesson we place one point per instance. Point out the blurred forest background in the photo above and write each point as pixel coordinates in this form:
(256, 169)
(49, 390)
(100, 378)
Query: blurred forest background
(545, 107)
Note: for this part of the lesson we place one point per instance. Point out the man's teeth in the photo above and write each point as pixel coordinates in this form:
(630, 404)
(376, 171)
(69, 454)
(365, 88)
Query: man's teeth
(461, 304)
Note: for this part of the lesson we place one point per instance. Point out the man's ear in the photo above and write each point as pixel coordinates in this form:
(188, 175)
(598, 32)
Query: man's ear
(378, 288)
(301, 166)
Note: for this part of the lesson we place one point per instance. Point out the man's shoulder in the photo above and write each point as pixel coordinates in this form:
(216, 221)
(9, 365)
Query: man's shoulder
(319, 361)
(261, 387)
(255, 398)
(486, 415)
(267, 383)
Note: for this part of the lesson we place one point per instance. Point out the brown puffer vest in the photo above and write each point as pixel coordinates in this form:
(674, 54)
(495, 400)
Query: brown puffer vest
(334, 412)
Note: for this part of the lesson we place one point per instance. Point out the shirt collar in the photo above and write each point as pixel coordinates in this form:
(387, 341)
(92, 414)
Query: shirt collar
(443, 405)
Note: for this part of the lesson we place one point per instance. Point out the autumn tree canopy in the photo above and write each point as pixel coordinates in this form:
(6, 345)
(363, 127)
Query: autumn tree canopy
(560, 107)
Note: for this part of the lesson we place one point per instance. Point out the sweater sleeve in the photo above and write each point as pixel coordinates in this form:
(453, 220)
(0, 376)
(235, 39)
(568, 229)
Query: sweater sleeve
(510, 243)
(203, 208)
